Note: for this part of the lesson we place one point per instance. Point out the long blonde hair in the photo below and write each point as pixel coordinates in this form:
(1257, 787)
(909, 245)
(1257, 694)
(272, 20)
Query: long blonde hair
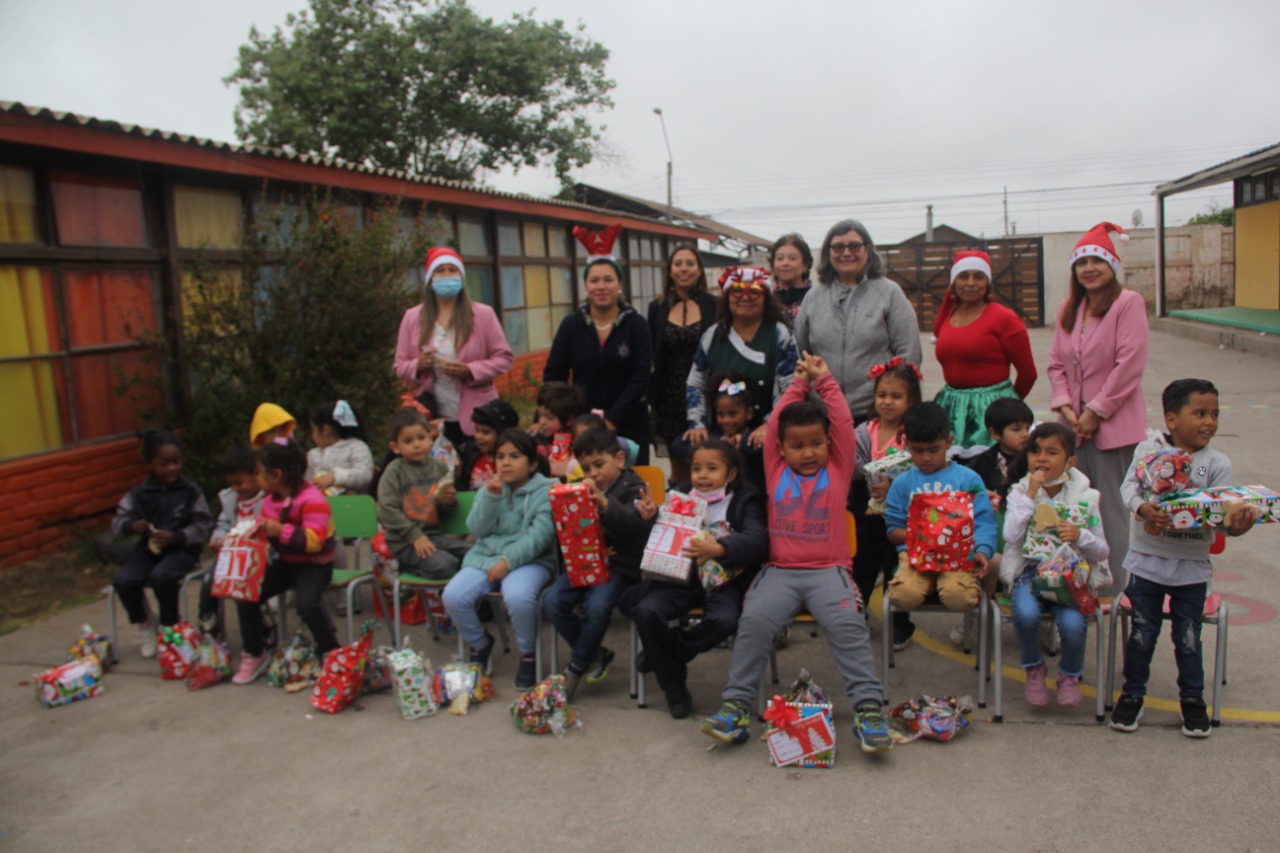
(461, 323)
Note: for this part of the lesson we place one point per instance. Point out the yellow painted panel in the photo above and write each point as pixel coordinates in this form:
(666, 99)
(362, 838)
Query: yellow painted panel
(1258, 256)
(207, 217)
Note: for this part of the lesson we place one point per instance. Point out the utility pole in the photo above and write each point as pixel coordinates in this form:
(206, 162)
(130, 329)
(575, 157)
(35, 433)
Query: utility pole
(670, 210)
(1006, 211)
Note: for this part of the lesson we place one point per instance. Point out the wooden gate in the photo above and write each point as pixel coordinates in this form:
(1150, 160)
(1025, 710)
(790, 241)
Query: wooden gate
(923, 271)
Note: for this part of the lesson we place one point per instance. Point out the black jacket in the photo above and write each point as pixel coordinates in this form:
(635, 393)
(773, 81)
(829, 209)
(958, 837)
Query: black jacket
(748, 545)
(659, 310)
(625, 532)
(180, 509)
(987, 466)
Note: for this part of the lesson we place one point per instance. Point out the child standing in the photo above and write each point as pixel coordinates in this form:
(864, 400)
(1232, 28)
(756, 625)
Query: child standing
(340, 462)
(738, 540)
(896, 390)
(299, 526)
(169, 513)
(615, 489)
(270, 422)
(1173, 563)
(413, 493)
(928, 432)
(1051, 479)
(476, 458)
(809, 463)
(241, 500)
(515, 552)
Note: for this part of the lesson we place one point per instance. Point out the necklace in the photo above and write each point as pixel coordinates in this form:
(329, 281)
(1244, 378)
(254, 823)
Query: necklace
(600, 327)
(956, 321)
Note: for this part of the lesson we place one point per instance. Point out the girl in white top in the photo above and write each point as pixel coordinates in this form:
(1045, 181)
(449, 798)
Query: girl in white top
(340, 462)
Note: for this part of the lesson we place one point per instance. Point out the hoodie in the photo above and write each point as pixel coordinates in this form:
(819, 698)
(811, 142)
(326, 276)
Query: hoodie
(515, 526)
(268, 416)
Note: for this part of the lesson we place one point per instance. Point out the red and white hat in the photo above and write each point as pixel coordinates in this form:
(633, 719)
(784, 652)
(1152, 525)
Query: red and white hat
(1096, 243)
(971, 259)
(443, 255)
(746, 275)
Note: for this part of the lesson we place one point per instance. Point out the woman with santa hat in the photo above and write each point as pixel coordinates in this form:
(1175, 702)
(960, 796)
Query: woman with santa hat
(978, 343)
(451, 346)
(1096, 364)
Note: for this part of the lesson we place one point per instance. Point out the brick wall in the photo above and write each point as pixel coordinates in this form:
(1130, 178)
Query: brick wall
(44, 497)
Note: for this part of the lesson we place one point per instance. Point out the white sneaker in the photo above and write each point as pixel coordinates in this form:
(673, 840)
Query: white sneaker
(965, 630)
(146, 640)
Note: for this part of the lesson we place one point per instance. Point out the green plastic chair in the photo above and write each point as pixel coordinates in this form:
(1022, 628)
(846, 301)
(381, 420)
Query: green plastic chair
(356, 517)
(454, 525)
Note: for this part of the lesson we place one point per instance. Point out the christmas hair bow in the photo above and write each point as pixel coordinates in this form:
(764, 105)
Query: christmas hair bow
(408, 401)
(343, 414)
(732, 388)
(893, 363)
(679, 504)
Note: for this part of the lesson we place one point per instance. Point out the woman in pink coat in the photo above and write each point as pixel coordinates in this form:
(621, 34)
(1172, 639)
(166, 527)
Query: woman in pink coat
(451, 346)
(1095, 368)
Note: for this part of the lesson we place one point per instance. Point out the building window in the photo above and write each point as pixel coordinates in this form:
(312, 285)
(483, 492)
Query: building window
(18, 206)
(509, 239)
(473, 236)
(213, 219)
(97, 210)
(646, 268)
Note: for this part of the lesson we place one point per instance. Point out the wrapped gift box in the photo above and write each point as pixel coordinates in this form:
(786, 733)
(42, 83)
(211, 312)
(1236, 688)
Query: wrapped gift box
(800, 733)
(77, 679)
(679, 520)
(1208, 507)
(1041, 544)
(578, 528)
(342, 677)
(409, 674)
(940, 531)
(177, 649)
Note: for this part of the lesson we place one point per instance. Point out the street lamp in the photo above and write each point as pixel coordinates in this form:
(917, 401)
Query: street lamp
(658, 112)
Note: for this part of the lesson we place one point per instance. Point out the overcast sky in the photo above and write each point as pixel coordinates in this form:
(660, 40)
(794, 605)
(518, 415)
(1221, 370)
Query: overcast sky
(791, 115)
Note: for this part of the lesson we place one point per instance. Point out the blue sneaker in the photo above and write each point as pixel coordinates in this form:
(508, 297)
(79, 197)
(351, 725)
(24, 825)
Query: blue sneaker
(870, 728)
(600, 668)
(730, 723)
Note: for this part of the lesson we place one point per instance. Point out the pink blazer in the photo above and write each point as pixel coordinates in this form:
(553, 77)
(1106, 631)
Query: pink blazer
(486, 352)
(1102, 369)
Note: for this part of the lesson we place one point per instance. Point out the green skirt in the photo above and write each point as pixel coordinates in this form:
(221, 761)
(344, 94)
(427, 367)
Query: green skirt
(967, 408)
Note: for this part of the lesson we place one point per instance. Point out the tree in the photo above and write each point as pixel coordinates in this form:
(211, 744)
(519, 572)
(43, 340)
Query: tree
(1215, 216)
(429, 88)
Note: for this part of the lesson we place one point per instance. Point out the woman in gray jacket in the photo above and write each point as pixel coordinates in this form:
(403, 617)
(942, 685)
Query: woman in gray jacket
(855, 318)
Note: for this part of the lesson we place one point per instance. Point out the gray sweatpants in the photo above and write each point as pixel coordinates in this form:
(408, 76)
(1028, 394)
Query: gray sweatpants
(773, 600)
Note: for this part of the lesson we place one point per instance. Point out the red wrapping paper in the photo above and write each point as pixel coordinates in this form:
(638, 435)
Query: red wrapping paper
(578, 529)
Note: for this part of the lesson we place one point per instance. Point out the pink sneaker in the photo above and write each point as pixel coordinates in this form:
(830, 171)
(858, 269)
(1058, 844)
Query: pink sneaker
(1037, 691)
(1068, 689)
(250, 668)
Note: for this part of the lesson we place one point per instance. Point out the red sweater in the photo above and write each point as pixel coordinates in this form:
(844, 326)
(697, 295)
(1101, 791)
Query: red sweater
(981, 353)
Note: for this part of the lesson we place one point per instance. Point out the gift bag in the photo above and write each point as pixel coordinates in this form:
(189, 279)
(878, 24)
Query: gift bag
(544, 709)
(679, 520)
(212, 665)
(933, 717)
(940, 531)
(74, 680)
(894, 463)
(578, 528)
(293, 668)
(242, 563)
(1063, 578)
(177, 648)
(91, 644)
(459, 685)
(342, 676)
(409, 674)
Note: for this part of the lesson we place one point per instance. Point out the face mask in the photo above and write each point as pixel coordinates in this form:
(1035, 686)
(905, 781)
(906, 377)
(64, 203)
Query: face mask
(447, 286)
(1066, 475)
(713, 496)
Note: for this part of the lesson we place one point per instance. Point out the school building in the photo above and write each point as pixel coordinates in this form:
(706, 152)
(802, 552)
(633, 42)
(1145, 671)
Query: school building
(101, 222)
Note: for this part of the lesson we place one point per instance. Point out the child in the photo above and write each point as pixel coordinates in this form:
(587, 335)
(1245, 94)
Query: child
(615, 488)
(413, 494)
(515, 552)
(169, 513)
(299, 526)
(270, 422)
(1051, 479)
(735, 423)
(571, 471)
(1173, 563)
(1008, 422)
(809, 464)
(896, 390)
(240, 500)
(736, 521)
(476, 458)
(928, 433)
(558, 404)
(442, 448)
(340, 462)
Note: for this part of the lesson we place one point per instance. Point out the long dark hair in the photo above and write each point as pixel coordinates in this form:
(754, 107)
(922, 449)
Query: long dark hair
(669, 286)
(323, 415)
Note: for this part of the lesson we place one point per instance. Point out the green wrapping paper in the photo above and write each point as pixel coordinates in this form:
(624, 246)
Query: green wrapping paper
(409, 675)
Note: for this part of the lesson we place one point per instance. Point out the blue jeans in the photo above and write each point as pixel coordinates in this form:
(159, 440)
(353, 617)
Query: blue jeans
(1186, 609)
(586, 634)
(1028, 608)
(520, 590)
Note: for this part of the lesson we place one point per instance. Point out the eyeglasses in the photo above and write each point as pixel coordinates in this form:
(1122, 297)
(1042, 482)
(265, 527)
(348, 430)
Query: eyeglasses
(742, 290)
(852, 246)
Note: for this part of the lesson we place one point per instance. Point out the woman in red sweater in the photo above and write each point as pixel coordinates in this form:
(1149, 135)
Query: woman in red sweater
(977, 343)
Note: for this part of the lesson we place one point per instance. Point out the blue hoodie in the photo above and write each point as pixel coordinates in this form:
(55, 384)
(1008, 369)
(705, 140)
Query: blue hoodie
(953, 478)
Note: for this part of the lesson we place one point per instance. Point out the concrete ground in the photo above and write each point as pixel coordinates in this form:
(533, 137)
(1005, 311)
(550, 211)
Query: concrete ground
(149, 766)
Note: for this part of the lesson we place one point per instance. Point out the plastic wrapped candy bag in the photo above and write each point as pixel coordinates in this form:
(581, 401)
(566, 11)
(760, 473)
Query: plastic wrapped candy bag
(545, 709)
(212, 665)
(460, 684)
(933, 717)
(803, 690)
(1164, 472)
(294, 668)
(1063, 578)
(377, 671)
(177, 649)
(91, 644)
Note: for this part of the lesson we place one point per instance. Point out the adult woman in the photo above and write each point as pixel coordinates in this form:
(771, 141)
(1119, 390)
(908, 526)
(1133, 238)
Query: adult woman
(605, 347)
(854, 317)
(790, 261)
(977, 341)
(751, 336)
(1096, 363)
(677, 320)
(451, 346)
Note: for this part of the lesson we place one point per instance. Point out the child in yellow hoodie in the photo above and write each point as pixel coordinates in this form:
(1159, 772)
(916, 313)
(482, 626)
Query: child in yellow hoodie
(270, 422)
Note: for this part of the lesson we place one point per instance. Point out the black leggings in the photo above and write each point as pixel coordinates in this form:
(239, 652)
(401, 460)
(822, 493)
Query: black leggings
(163, 573)
(308, 581)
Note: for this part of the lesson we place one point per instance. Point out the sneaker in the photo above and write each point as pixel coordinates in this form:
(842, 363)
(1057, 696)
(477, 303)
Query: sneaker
(1127, 713)
(1195, 719)
(1069, 690)
(601, 666)
(870, 728)
(902, 634)
(209, 624)
(730, 724)
(527, 673)
(250, 668)
(481, 654)
(965, 630)
(1050, 643)
(146, 640)
(1037, 692)
(679, 701)
(642, 663)
(572, 678)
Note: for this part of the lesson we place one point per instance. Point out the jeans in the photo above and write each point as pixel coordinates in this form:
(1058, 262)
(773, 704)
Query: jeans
(520, 590)
(586, 634)
(163, 573)
(1186, 609)
(1028, 607)
(308, 582)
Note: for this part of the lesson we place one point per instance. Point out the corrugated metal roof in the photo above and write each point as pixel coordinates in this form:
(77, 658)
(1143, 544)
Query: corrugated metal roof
(1225, 171)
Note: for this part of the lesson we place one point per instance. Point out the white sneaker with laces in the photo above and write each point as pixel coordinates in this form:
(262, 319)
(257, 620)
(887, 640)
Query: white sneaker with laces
(146, 640)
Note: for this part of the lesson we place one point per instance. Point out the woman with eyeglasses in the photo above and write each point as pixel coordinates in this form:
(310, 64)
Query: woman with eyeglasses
(751, 337)
(855, 317)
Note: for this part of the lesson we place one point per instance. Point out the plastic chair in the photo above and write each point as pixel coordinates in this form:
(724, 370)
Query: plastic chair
(356, 517)
(495, 598)
(197, 572)
(454, 524)
(654, 480)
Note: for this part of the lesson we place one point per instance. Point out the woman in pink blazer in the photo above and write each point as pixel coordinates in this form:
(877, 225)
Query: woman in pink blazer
(1095, 368)
(451, 346)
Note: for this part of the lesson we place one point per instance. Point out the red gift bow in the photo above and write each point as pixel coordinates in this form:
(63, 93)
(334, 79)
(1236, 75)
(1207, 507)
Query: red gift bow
(897, 361)
(682, 504)
(784, 716)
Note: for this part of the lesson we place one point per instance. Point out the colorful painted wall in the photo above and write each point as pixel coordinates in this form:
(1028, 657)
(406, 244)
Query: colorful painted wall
(1258, 256)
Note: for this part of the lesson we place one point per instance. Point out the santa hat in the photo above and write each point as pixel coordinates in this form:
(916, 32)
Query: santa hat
(746, 275)
(443, 255)
(966, 260)
(599, 246)
(1096, 243)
